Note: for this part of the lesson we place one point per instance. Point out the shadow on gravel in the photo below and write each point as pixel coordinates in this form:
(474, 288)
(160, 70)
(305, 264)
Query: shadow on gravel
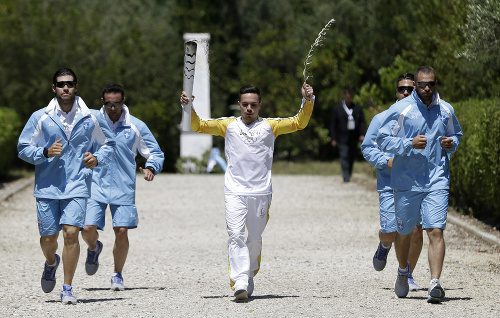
(252, 298)
(85, 301)
(128, 288)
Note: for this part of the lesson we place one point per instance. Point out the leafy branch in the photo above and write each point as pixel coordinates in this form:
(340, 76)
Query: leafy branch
(318, 42)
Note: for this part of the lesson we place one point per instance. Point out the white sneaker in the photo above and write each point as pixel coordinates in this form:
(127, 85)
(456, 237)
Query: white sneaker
(67, 296)
(436, 292)
(117, 282)
(401, 287)
(250, 286)
(411, 284)
(240, 291)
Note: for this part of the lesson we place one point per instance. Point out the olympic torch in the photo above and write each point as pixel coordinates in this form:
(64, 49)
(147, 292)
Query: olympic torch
(189, 65)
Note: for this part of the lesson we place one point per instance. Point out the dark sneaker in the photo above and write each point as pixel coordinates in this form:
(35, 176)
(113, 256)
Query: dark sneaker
(436, 292)
(92, 262)
(380, 257)
(67, 296)
(49, 275)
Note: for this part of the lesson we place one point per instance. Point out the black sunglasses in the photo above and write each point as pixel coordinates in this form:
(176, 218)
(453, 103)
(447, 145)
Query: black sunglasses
(402, 89)
(424, 84)
(61, 84)
(113, 104)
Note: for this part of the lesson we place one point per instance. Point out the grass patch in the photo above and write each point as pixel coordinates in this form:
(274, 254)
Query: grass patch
(321, 168)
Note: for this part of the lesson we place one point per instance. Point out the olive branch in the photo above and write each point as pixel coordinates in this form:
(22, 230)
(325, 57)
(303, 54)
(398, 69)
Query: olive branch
(318, 42)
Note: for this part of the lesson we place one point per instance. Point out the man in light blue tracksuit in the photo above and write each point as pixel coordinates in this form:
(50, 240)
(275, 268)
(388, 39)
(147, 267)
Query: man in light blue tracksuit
(383, 162)
(115, 183)
(58, 140)
(422, 132)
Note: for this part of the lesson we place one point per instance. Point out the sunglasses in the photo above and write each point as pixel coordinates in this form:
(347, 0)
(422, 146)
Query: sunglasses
(113, 104)
(424, 84)
(402, 89)
(70, 84)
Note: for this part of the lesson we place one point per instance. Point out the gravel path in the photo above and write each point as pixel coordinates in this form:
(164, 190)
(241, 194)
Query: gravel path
(316, 259)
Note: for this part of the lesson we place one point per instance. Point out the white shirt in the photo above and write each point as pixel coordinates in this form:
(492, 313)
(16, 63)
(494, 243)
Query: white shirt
(68, 119)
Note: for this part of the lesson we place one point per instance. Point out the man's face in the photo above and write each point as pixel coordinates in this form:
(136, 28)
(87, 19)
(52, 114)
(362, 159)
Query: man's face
(249, 105)
(113, 103)
(429, 82)
(404, 88)
(348, 99)
(64, 93)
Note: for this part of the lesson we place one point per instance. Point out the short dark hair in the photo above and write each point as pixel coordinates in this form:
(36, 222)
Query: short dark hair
(425, 70)
(113, 88)
(62, 72)
(408, 76)
(250, 89)
(349, 91)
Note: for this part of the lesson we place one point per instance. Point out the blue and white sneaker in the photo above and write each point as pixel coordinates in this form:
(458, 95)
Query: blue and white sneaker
(380, 257)
(49, 275)
(92, 262)
(401, 287)
(67, 296)
(436, 292)
(411, 283)
(117, 282)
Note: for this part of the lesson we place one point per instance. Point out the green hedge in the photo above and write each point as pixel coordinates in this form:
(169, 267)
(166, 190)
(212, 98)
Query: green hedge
(9, 133)
(475, 167)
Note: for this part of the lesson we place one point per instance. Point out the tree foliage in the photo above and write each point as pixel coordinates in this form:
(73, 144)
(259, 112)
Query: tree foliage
(139, 44)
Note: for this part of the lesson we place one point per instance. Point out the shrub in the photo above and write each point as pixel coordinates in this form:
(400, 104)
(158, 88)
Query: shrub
(9, 133)
(475, 167)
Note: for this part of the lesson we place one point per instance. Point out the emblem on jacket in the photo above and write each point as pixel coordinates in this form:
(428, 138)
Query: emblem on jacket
(86, 124)
(249, 137)
(442, 116)
(127, 133)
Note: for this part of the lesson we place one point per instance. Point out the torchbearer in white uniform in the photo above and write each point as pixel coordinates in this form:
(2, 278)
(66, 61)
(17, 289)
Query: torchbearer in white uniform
(249, 147)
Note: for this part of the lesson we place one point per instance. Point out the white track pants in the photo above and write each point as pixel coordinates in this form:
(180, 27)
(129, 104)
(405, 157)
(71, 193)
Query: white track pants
(244, 254)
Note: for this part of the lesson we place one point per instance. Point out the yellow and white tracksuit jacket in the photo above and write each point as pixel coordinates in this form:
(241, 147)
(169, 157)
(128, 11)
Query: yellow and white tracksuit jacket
(249, 148)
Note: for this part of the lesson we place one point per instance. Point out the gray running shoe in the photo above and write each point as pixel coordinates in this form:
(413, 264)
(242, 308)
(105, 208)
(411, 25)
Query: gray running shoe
(67, 296)
(436, 292)
(380, 257)
(92, 262)
(401, 287)
(49, 275)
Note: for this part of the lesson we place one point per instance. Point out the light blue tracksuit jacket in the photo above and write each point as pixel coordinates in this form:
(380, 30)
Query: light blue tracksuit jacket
(375, 156)
(115, 183)
(64, 176)
(426, 169)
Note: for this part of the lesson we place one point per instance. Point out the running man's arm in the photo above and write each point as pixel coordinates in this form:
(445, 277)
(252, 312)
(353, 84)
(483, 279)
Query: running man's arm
(215, 127)
(392, 136)
(146, 144)
(282, 126)
(32, 142)
(369, 148)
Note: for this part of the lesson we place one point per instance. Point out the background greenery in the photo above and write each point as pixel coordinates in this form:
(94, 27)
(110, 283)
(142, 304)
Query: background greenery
(139, 44)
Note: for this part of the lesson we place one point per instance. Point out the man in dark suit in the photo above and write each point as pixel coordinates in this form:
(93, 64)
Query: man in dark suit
(347, 128)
